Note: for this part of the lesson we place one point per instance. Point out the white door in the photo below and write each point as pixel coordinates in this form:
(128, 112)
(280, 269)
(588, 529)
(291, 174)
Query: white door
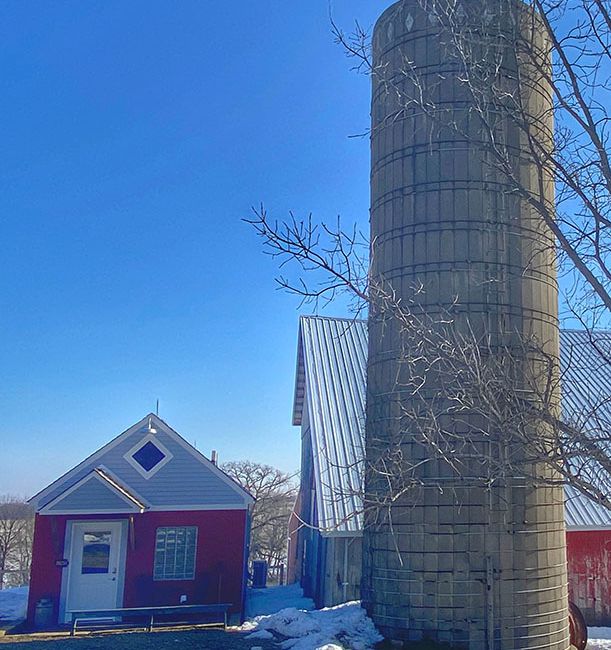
(94, 566)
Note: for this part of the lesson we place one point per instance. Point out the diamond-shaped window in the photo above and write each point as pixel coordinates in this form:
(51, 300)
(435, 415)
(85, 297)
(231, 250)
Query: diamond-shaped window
(148, 456)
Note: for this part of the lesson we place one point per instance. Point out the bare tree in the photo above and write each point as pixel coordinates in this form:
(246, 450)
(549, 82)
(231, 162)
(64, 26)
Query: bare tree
(338, 257)
(275, 493)
(16, 533)
(477, 377)
(540, 444)
(575, 36)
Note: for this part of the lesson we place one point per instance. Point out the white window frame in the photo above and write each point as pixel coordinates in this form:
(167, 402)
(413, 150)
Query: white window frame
(141, 443)
(165, 579)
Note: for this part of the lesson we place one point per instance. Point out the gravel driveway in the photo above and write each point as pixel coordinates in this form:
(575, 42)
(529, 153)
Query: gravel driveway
(158, 640)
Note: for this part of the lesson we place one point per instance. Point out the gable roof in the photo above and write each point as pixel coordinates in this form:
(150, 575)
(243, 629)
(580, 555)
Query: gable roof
(189, 481)
(331, 366)
(330, 384)
(95, 487)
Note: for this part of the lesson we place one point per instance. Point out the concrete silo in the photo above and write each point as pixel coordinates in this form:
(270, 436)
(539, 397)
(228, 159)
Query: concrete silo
(457, 560)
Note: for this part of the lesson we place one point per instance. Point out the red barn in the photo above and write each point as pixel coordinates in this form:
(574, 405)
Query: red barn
(145, 521)
(589, 556)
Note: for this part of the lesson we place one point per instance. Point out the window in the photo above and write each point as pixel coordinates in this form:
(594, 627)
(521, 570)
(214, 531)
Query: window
(148, 456)
(96, 552)
(175, 553)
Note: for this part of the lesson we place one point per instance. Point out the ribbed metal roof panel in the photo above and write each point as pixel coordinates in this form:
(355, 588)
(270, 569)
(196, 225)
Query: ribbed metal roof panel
(586, 395)
(331, 371)
(334, 361)
(583, 513)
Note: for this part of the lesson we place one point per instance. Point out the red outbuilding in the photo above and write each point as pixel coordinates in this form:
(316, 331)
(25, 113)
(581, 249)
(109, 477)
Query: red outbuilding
(589, 556)
(145, 521)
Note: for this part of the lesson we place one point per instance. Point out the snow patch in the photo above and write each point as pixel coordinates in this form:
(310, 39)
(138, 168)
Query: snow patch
(261, 634)
(344, 627)
(599, 638)
(13, 603)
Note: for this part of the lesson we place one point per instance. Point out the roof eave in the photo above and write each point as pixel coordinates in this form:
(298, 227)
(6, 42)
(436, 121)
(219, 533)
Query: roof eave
(299, 393)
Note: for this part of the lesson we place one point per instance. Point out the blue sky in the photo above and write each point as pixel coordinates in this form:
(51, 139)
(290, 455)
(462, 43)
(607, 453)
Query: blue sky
(135, 136)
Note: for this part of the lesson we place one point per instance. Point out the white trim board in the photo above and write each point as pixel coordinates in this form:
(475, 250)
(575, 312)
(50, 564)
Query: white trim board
(167, 508)
(111, 476)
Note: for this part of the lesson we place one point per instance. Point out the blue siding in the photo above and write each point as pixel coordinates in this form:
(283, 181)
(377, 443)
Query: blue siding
(92, 492)
(312, 543)
(183, 481)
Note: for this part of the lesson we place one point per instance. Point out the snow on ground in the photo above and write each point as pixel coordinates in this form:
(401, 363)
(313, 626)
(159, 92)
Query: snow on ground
(283, 613)
(273, 599)
(600, 638)
(13, 603)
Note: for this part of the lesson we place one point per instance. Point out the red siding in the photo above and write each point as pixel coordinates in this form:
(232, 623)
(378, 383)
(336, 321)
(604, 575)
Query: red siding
(589, 557)
(45, 577)
(220, 569)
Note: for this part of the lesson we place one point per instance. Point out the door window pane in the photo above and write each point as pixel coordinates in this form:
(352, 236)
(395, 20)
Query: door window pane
(96, 552)
(175, 553)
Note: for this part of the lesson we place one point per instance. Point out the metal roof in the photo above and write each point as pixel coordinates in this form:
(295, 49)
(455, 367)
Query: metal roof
(331, 366)
(586, 390)
(330, 383)
(582, 513)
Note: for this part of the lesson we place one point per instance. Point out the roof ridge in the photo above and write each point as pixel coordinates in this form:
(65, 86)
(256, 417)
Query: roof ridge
(333, 318)
(576, 330)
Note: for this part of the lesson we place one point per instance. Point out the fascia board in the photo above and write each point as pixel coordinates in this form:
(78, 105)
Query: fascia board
(300, 383)
(138, 497)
